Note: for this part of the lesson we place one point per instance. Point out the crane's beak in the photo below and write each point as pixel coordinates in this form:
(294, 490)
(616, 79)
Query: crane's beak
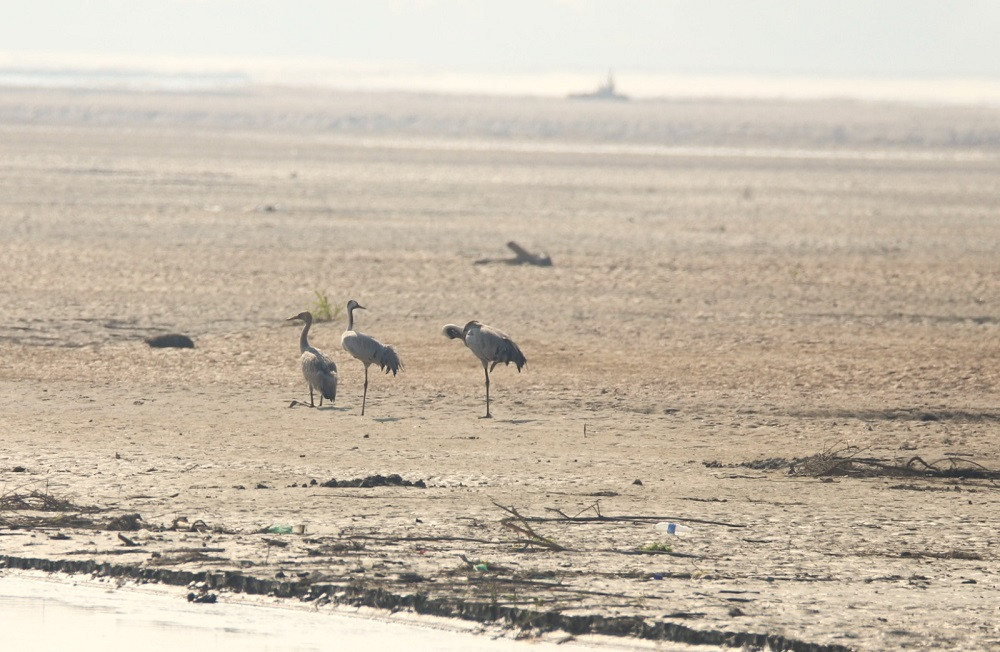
(360, 307)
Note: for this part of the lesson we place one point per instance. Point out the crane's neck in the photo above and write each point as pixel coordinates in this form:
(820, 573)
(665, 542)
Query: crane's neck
(350, 318)
(304, 339)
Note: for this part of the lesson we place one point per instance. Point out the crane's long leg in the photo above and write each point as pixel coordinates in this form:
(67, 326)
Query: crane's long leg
(311, 404)
(487, 372)
(364, 397)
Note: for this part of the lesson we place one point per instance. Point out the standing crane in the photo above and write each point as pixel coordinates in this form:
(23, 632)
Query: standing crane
(368, 350)
(319, 369)
(490, 345)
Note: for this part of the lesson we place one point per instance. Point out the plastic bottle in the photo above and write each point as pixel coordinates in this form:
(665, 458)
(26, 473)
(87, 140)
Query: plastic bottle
(674, 529)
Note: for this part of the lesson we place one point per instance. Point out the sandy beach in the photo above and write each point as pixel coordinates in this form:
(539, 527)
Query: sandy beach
(741, 292)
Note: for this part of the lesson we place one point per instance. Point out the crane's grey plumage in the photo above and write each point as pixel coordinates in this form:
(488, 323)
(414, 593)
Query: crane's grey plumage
(490, 345)
(319, 369)
(368, 350)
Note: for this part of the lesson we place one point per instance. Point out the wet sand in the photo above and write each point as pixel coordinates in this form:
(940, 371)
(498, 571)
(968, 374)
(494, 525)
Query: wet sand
(732, 282)
(49, 613)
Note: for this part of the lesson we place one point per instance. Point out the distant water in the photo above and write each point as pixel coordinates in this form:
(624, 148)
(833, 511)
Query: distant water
(121, 79)
(222, 75)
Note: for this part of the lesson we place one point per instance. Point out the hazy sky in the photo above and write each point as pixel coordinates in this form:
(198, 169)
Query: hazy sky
(898, 38)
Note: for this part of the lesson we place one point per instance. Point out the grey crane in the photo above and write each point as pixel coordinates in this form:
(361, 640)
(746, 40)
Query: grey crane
(490, 345)
(368, 350)
(319, 369)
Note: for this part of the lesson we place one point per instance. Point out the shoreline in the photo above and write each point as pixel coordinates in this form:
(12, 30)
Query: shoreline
(524, 624)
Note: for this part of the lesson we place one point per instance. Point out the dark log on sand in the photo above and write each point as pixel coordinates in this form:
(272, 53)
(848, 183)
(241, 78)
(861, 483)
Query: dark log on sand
(523, 257)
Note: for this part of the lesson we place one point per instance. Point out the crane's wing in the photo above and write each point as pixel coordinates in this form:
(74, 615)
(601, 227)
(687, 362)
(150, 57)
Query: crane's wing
(495, 346)
(370, 351)
(320, 371)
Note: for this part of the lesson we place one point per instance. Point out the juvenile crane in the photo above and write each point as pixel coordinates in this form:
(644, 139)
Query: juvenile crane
(319, 369)
(489, 345)
(368, 350)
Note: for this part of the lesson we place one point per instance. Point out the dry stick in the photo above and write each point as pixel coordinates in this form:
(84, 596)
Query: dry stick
(929, 466)
(526, 529)
(110, 551)
(534, 538)
(669, 553)
(372, 537)
(954, 462)
(609, 519)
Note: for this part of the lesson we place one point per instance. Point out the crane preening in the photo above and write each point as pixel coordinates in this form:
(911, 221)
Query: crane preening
(319, 370)
(490, 345)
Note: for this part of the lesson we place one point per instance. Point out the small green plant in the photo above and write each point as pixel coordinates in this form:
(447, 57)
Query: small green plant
(657, 547)
(322, 310)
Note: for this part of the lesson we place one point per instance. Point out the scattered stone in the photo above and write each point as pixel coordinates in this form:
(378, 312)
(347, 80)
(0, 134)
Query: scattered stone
(204, 598)
(411, 578)
(170, 341)
(128, 542)
(127, 522)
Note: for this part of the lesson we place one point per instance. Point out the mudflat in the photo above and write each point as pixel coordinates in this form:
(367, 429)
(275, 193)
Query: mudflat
(774, 323)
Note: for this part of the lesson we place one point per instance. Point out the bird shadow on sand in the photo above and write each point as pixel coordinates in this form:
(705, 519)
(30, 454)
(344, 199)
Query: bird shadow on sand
(387, 419)
(321, 408)
(515, 422)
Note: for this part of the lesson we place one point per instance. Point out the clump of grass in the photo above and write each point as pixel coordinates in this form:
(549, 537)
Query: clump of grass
(322, 310)
(657, 547)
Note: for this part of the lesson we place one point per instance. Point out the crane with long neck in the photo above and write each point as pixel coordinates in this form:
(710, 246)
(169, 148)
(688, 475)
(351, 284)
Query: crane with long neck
(368, 350)
(319, 369)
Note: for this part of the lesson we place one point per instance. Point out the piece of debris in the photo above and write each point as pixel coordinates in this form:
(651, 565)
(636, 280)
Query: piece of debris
(277, 543)
(203, 598)
(849, 462)
(129, 522)
(394, 480)
(523, 257)
(171, 340)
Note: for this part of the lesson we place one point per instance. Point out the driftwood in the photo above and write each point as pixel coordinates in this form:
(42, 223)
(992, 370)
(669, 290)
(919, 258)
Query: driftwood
(522, 257)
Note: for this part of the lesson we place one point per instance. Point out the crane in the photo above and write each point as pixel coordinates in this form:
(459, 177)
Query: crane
(368, 350)
(319, 369)
(490, 345)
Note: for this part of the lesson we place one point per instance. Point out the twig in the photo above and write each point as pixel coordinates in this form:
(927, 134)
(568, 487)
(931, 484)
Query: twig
(526, 529)
(611, 519)
(669, 553)
(371, 537)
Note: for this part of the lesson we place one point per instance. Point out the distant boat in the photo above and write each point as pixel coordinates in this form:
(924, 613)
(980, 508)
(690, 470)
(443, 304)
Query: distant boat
(605, 91)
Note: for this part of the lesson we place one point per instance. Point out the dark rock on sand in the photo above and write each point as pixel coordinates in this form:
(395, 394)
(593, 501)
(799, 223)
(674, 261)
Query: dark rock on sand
(171, 340)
